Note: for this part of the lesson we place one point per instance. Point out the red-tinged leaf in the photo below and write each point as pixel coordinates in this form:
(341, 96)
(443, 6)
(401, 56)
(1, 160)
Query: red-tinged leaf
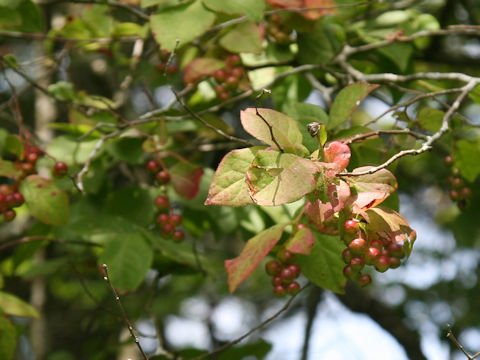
(254, 251)
(201, 67)
(228, 186)
(8, 169)
(327, 5)
(277, 178)
(185, 178)
(372, 189)
(45, 200)
(284, 128)
(347, 101)
(338, 153)
(301, 242)
(286, 4)
(390, 224)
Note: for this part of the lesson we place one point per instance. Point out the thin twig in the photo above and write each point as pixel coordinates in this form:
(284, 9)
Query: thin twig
(371, 134)
(127, 322)
(452, 337)
(251, 331)
(270, 127)
(28, 239)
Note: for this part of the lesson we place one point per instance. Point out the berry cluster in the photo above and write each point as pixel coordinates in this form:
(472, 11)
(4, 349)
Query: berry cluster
(459, 191)
(10, 197)
(162, 66)
(381, 253)
(228, 78)
(277, 31)
(283, 272)
(165, 220)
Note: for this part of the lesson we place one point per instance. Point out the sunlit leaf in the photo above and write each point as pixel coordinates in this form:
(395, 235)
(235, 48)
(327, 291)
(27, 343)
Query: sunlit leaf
(185, 178)
(390, 224)
(12, 305)
(245, 37)
(301, 242)
(201, 67)
(253, 9)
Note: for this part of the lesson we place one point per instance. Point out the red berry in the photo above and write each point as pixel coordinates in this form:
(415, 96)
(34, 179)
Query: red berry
(9, 200)
(237, 72)
(162, 203)
(220, 75)
(357, 263)
(175, 219)
(277, 280)
(466, 192)
(172, 69)
(162, 219)
(9, 215)
(287, 275)
(2, 198)
(161, 66)
(364, 280)
(376, 243)
(152, 166)
(285, 256)
(448, 160)
(346, 256)
(224, 96)
(233, 60)
(167, 229)
(396, 250)
(358, 246)
(178, 235)
(454, 195)
(293, 288)
(163, 177)
(295, 269)
(220, 89)
(350, 273)
(60, 169)
(350, 226)
(302, 226)
(279, 290)
(18, 199)
(462, 204)
(32, 158)
(273, 268)
(393, 262)
(231, 82)
(28, 168)
(457, 182)
(382, 264)
(371, 255)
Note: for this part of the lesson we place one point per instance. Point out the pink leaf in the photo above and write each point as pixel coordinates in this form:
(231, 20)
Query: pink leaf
(338, 153)
(185, 178)
(390, 224)
(301, 242)
(252, 254)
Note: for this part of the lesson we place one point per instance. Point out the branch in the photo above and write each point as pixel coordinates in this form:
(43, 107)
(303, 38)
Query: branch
(122, 310)
(251, 331)
(427, 145)
(364, 136)
(460, 346)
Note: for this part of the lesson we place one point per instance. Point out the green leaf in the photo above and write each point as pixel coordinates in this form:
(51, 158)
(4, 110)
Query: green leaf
(301, 242)
(8, 169)
(128, 257)
(127, 29)
(228, 186)
(201, 67)
(9, 17)
(284, 129)
(430, 118)
(324, 266)
(185, 178)
(347, 101)
(258, 350)
(127, 149)
(253, 9)
(132, 203)
(400, 54)
(252, 254)
(45, 200)
(69, 150)
(245, 37)
(322, 44)
(8, 336)
(466, 159)
(277, 178)
(195, 20)
(12, 305)
(32, 20)
(14, 145)
(271, 55)
(305, 114)
(389, 224)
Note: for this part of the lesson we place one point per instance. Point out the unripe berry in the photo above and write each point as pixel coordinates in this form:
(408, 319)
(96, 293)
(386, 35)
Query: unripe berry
(346, 256)
(163, 177)
(295, 269)
(357, 263)
(273, 268)
(372, 255)
(364, 280)
(293, 288)
(382, 264)
(152, 166)
(175, 219)
(350, 273)
(280, 290)
(162, 203)
(178, 235)
(448, 160)
(456, 172)
(358, 246)
(285, 256)
(393, 262)
(350, 226)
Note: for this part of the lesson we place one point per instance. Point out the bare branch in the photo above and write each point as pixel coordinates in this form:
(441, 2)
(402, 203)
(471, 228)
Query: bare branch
(372, 134)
